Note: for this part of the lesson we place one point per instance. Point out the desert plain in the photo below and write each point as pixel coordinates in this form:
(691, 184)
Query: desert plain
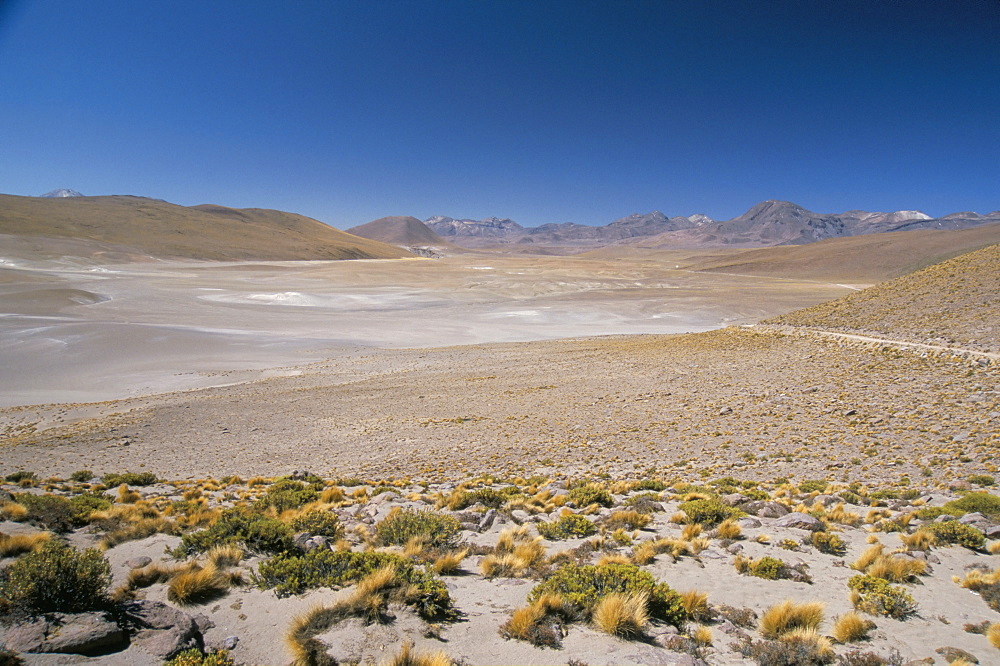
(865, 410)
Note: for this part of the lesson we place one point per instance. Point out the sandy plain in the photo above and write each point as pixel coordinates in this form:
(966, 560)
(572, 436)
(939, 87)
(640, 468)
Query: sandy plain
(74, 330)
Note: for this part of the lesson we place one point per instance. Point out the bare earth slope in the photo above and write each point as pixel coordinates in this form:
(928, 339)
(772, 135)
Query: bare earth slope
(398, 230)
(956, 302)
(865, 259)
(162, 229)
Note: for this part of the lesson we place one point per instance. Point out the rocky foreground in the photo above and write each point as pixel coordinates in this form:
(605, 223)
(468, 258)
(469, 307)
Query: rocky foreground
(498, 571)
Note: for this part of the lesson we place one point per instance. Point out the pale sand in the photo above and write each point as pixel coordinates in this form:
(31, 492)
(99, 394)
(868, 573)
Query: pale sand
(74, 331)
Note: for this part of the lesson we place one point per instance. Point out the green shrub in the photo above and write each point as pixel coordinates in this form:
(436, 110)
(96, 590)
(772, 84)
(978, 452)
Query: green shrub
(81, 475)
(590, 493)
(567, 527)
(769, 568)
(490, 497)
(286, 494)
(294, 574)
(876, 596)
(651, 484)
(930, 512)
(322, 523)
(982, 480)
(829, 543)
(61, 514)
(256, 532)
(644, 503)
(19, 476)
(709, 512)
(129, 478)
(436, 529)
(813, 485)
(584, 586)
(195, 657)
(795, 651)
(979, 502)
(55, 578)
(952, 531)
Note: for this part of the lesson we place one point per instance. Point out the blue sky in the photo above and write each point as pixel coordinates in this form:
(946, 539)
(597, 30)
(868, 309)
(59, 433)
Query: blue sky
(541, 111)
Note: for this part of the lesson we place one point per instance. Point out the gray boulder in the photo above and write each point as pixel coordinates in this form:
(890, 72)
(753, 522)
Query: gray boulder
(67, 633)
(766, 509)
(802, 521)
(162, 631)
(487, 520)
(735, 499)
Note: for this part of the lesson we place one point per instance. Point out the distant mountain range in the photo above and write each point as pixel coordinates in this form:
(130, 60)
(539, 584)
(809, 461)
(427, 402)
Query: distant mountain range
(767, 224)
(61, 194)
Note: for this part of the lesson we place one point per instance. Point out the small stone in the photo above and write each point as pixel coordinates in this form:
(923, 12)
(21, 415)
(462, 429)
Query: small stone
(520, 516)
(138, 562)
(735, 548)
(748, 522)
(230, 642)
(487, 521)
(766, 509)
(802, 521)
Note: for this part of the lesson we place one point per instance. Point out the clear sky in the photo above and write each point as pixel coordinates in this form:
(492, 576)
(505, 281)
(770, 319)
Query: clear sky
(541, 111)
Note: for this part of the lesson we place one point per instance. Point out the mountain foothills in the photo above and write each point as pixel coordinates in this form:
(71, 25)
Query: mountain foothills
(133, 227)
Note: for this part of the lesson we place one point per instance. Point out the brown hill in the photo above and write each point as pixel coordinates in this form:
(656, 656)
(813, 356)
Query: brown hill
(399, 230)
(855, 259)
(955, 302)
(163, 229)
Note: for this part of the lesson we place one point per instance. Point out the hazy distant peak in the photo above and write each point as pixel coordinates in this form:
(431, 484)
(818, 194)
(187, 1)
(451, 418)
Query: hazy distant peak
(61, 194)
(700, 219)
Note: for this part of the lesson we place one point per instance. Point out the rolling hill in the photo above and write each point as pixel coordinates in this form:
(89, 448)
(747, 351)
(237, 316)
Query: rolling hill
(399, 230)
(161, 229)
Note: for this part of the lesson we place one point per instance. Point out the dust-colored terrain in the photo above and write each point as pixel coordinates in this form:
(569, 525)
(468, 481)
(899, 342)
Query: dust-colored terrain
(340, 369)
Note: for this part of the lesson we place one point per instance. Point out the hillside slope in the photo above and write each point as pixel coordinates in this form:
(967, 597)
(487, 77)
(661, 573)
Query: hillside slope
(163, 229)
(857, 259)
(398, 230)
(955, 302)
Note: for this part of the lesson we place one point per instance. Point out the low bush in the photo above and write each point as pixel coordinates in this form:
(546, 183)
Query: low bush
(978, 502)
(709, 512)
(568, 527)
(19, 476)
(435, 529)
(590, 493)
(129, 478)
(876, 596)
(813, 485)
(954, 532)
(61, 514)
(584, 586)
(256, 532)
(982, 480)
(784, 652)
(829, 543)
(286, 494)
(294, 574)
(319, 523)
(629, 519)
(81, 476)
(55, 578)
(772, 568)
(195, 657)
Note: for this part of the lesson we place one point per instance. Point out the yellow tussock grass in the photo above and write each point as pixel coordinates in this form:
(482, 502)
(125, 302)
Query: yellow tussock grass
(702, 636)
(919, 540)
(450, 563)
(896, 569)
(17, 544)
(126, 496)
(407, 657)
(695, 603)
(728, 529)
(691, 531)
(993, 635)
(13, 511)
(223, 556)
(622, 615)
(787, 616)
(851, 627)
(867, 557)
(994, 548)
(197, 585)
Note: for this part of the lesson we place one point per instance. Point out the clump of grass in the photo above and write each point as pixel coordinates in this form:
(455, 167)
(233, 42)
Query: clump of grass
(787, 616)
(770, 568)
(702, 636)
(127, 496)
(994, 548)
(407, 657)
(133, 531)
(920, 540)
(449, 563)
(197, 585)
(728, 529)
(851, 627)
(696, 605)
(18, 544)
(626, 519)
(13, 511)
(438, 530)
(225, 555)
(896, 568)
(869, 555)
(622, 615)
(152, 574)
(993, 635)
(829, 543)
(567, 527)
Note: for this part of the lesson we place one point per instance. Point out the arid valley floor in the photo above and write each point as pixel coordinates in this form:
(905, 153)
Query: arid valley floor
(497, 391)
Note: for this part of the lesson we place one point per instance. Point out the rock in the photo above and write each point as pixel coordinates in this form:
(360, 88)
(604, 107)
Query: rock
(748, 522)
(802, 521)
(138, 562)
(735, 548)
(162, 631)
(318, 541)
(487, 520)
(928, 661)
(735, 499)
(725, 410)
(729, 628)
(992, 531)
(824, 500)
(6, 496)
(520, 516)
(766, 509)
(230, 642)
(203, 622)
(944, 518)
(67, 633)
(300, 539)
(471, 527)
(960, 485)
(954, 654)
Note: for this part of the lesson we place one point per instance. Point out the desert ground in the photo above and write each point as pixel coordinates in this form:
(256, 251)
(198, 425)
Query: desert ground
(489, 390)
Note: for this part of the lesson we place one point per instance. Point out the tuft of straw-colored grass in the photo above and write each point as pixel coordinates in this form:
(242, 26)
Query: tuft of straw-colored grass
(127, 496)
(728, 529)
(222, 556)
(787, 616)
(377, 581)
(866, 558)
(197, 585)
(976, 580)
(613, 558)
(993, 635)
(695, 602)
(152, 574)
(628, 519)
(691, 531)
(407, 657)
(510, 537)
(13, 511)
(851, 627)
(994, 548)
(896, 569)
(523, 620)
(134, 531)
(299, 640)
(919, 540)
(450, 563)
(17, 544)
(622, 615)
(702, 636)
(820, 646)
(644, 553)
